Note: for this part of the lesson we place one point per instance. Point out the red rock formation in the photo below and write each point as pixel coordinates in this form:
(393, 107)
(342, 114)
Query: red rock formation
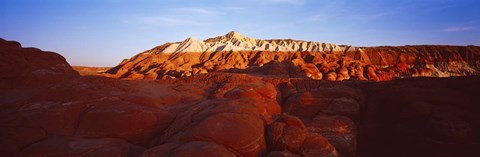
(339, 131)
(101, 121)
(47, 109)
(31, 66)
(68, 146)
(317, 145)
(282, 154)
(287, 133)
(90, 71)
(424, 116)
(193, 148)
(334, 63)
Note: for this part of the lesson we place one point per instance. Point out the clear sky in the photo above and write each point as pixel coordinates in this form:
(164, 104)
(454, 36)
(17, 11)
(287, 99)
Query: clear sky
(103, 32)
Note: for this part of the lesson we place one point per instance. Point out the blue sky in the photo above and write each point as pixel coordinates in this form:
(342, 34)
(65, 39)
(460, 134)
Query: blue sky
(103, 32)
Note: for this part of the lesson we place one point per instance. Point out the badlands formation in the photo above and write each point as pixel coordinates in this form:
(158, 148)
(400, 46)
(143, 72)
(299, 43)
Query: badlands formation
(297, 59)
(239, 97)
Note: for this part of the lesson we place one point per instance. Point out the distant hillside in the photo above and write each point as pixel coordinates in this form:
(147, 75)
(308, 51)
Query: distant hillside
(87, 71)
(298, 59)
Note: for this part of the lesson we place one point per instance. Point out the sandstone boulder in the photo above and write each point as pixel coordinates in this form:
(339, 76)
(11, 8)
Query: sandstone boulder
(331, 76)
(340, 131)
(343, 106)
(305, 104)
(234, 124)
(122, 120)
(287, 133)
(316, 145)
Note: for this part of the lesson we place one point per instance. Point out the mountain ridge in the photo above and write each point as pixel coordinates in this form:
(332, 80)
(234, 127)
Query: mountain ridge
(236, 53)
(234, 41)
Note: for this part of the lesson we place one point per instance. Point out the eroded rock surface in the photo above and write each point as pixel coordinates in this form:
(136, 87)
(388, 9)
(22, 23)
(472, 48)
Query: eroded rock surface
(288, 58)
(47, 109)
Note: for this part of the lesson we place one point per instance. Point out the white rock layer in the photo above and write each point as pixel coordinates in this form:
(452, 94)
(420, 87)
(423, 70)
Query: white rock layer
(234, 41)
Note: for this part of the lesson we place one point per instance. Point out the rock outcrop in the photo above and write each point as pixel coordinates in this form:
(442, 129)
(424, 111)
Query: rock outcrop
(47, 109)
(30, 66)
(294, 58)
(234, 41)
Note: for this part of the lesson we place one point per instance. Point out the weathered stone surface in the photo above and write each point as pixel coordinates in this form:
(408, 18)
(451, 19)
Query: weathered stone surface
(282, 154)
(242, 132)
(192, 148)
(343, 106)
(237, 125)
(67, 146)
(305, 104)
(122, 120)
(287, 133)
(46, 109)
(161, 150)
(14, 139)
(340, 131)
(31, 66)
(293, 59)
(331, 76)
(428, 116)
(317, 145)
(263, 95)
(201, 148)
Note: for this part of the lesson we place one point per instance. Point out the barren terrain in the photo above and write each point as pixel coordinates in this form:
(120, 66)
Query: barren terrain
(245, 103)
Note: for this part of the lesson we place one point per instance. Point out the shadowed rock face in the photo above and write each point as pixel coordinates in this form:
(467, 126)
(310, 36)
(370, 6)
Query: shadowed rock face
(56, 112)
(299, 59)
(30, 66)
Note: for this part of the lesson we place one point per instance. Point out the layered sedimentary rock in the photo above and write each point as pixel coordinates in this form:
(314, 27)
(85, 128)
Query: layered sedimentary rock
(294, 58)
(47, 109)
(233, 41)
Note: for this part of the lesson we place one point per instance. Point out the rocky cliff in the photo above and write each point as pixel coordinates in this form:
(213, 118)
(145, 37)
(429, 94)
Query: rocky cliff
(294, 58)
